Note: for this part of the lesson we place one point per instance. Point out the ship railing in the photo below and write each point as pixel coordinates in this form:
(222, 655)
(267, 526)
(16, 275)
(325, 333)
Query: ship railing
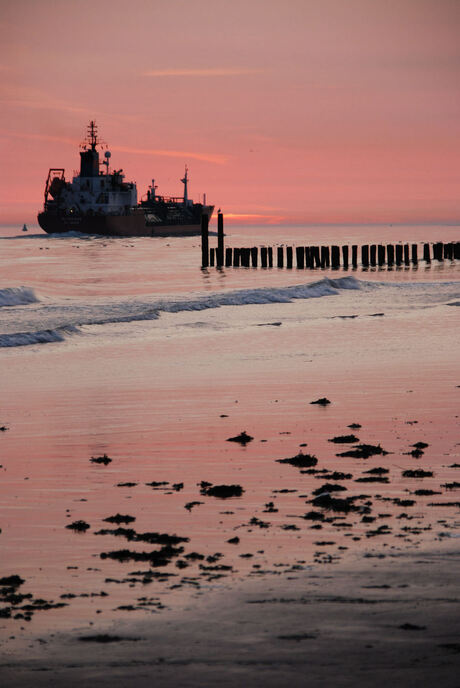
(52, 173)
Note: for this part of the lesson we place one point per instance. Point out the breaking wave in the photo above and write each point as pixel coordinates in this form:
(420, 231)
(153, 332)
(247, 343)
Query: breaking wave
(17, 296)
(243, 297)
(64, 320)
(48, 322)
(262, 295)
(40, 337)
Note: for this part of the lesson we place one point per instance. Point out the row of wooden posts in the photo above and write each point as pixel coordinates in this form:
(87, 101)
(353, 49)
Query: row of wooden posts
(318, 256)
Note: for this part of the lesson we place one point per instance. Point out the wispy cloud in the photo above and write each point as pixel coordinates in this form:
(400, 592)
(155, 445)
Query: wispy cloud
(185, 155)
(39, 137)
(47, 104)
(212, 71)
(36, 99)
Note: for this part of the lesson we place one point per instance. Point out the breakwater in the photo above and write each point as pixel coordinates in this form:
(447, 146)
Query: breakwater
(312, 257)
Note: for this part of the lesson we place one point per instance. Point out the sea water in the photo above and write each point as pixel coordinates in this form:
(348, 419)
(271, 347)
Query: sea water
(52, 287)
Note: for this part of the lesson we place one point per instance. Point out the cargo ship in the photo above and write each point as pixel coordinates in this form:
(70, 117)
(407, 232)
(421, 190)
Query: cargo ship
(100, 201)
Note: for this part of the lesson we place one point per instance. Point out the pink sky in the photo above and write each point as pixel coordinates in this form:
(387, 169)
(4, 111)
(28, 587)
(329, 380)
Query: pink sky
(285, 111)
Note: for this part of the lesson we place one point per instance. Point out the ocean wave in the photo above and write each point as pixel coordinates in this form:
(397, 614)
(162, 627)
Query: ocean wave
(39, 337)
(262, 295)
(17, 296)
(241, 297)
(53, 322)
(62, 320)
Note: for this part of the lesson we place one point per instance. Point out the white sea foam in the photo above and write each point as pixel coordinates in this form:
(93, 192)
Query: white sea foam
(53, 322)
(17, 296)
(263, 295)
(62, 320)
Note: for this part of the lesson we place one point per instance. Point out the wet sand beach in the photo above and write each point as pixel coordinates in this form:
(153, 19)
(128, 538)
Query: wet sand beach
(139, 545)
(367, 624)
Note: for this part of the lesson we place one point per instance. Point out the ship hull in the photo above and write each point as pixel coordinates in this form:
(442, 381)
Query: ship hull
(133, 225)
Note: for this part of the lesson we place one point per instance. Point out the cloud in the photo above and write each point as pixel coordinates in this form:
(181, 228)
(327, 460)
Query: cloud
(212, 71)
(185, 155)
(39, 137)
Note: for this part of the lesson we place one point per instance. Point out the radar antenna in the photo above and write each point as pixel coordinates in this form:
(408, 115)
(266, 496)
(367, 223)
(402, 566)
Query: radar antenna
(92, 137)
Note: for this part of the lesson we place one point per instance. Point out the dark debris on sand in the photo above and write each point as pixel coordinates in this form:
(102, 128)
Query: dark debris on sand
(104, 459)
(243, 438)
(372, 479)
(105, 638)
(13, 581)
(189, 506)
(329, 487)
(416, 453)
(336, 475)
(161, 557)
(221, 491)
(322, 402)
(417, 474)
(152, 538)
(313, 516)
(119, 518)
(79, 526)
(300, 460)
(364, 451)
(344, 439)
(17, 609)
(411, 627)
(325, 501)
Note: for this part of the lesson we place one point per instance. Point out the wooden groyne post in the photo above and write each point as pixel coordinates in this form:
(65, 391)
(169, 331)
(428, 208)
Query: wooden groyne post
(312, 257)
(204, 241)
(220, 239)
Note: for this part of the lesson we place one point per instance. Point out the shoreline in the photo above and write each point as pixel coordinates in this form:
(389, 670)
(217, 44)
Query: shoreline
(365, 623)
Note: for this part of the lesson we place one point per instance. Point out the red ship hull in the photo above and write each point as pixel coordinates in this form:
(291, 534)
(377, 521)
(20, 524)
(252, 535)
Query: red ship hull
(133, 225)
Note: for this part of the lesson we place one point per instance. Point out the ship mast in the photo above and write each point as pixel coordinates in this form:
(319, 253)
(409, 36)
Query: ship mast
(89, 156)
(91, 136)
(185, 182)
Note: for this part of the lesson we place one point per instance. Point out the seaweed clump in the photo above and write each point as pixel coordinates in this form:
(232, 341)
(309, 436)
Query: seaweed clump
(419, 473)
(300, 460)
(322, 402)
(80, 526)
(364, 451)
(104, 459)
(325, 501)
(344, 439)
(243, 438)
(329, 487)
(221, 491)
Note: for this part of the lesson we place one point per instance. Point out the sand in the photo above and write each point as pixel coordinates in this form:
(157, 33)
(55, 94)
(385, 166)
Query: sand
(377, 622)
